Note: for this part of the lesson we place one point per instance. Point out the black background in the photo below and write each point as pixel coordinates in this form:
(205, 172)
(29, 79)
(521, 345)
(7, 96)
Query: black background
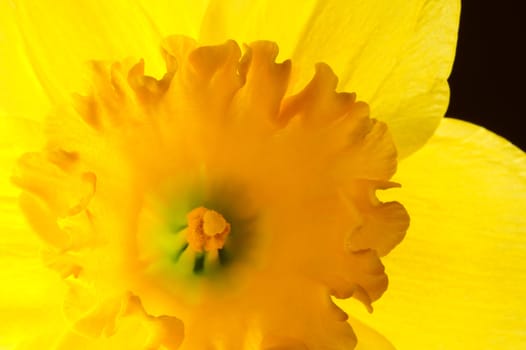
(488, 80)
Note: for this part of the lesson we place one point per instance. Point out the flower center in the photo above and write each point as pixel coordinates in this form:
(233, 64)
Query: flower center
(207, 230)
(123, 192)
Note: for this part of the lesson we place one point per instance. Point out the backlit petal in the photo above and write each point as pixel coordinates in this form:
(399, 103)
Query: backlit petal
(459, 279)
(20, 90)
(175, 17)
(368, 338)
(28, 288)
(395, 55)
(60, 39)
(31, 294)
(247, 21)
(17, 136)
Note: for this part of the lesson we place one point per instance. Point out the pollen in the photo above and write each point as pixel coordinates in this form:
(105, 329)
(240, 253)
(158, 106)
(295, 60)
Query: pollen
(207, 230)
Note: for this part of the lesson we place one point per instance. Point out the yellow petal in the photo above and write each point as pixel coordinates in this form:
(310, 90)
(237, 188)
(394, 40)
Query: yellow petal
(395, 55)
(17, 136)
(458, 280)
(29, 289)
(368, 338)
(175, 17)
(20, 90)
(31, 294)
(247, 21)
(60, 42)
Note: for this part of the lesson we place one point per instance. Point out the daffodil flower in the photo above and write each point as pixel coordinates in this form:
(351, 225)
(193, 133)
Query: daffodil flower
(221, 175)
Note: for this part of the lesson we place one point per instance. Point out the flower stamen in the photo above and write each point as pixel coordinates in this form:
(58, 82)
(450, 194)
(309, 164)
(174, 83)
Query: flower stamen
(207, 230)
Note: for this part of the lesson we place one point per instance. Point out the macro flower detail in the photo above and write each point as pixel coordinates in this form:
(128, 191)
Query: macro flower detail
(207, 230)
(212, 208)
(224, 197)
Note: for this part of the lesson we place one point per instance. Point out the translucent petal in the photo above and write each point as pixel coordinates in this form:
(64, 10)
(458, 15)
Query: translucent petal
(59, 43)
(20, 90)
(175, 17)
(368, 338)
(458, 280)
(247, 21)
(17, 136)
(29, 290)
(396, 56)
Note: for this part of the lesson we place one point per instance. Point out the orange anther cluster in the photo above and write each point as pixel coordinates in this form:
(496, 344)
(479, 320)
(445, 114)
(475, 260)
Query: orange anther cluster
(207, 230)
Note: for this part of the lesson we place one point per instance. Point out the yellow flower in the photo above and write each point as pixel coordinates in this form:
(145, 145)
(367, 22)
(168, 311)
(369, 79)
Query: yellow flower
(222, 204)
